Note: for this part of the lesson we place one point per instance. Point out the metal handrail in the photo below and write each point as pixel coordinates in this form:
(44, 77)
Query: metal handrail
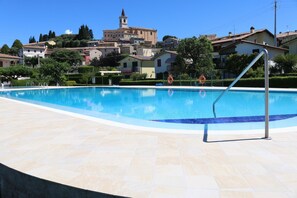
(265, 53)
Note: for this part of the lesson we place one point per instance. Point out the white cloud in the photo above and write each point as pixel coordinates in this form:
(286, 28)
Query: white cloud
(68, 31)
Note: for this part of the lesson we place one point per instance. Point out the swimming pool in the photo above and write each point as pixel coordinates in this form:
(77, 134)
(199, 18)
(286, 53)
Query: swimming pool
(174, 108)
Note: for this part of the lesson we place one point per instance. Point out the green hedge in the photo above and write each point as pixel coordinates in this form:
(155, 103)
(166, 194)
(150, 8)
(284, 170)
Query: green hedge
(74, 77)
(85, 69)
(70, 83)
(104, 80)
(285, 75)
(21, 83)
(277, 82)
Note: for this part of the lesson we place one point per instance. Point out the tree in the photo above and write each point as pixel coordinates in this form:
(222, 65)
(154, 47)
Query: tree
(286, 63)
(95, 62)
(179, 66)
(40, 38)
(5, 49)
(73, 58)
(168, 36)
(31, 61)
(32, 39)
(45, 37)
(53, 71)
(17, 44)
(198, 51)
(51, 34)
(15, 71)
(15, 48)
(112, 59)
(235, 64)
(84, 33)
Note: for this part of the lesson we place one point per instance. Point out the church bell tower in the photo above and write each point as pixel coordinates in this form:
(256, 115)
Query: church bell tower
(123, 20)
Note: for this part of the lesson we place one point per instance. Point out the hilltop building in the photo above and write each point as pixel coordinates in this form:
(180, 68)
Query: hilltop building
(126, 34)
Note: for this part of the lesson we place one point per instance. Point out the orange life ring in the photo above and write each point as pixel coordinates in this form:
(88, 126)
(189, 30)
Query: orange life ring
(202, 79)
(170, 79)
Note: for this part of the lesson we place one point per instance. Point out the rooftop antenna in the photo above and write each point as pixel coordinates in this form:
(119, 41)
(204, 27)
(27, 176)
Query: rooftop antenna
(275, 7)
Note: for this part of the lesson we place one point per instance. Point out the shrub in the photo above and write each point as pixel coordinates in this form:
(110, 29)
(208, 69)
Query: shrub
(184, 76)
(116, 79)
(137, 76)
(21, 83)
(70, 83)
(74, 77)
(286, 63)
(85, 69)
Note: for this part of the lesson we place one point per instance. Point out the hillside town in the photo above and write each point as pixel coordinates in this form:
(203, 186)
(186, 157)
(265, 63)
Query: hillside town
(164, 105)
(142, 52)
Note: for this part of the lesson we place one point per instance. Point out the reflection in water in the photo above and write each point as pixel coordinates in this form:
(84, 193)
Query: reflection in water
(156, 104)
(202, 93)
(170, 92)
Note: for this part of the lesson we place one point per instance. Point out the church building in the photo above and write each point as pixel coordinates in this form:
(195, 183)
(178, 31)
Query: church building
(124, 33)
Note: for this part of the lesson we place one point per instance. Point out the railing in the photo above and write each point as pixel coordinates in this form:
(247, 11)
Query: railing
(265, 53)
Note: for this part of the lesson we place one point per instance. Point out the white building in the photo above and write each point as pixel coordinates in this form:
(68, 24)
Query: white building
(163, 62)
(32, 51)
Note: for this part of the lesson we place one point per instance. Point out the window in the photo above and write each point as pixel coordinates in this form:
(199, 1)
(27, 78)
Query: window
(159, 63)
(151, 33)
(140, 32)
(256, 51)
(125, 65)
(135, 64)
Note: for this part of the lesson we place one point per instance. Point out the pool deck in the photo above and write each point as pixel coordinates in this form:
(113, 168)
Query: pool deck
(131, 162)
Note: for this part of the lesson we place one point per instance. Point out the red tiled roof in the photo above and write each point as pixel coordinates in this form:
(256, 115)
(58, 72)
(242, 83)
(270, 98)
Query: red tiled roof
(33, 47)
(141, 57)
(164, 52)
(6, 56)
(141, 28)
(253, 43)
(236, 37)
(286, 34)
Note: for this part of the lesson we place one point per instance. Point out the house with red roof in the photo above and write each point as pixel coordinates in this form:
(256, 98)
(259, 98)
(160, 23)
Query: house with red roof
(8, 60)
(288, 40)
(248, 43)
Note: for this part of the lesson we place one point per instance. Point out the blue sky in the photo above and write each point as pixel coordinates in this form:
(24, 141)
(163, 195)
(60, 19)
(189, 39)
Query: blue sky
(21, 19)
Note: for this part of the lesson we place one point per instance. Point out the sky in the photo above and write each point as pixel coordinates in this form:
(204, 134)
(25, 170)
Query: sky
(21, 19)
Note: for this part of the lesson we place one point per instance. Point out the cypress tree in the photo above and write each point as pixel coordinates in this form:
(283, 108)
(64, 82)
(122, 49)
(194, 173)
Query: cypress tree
(4, 49)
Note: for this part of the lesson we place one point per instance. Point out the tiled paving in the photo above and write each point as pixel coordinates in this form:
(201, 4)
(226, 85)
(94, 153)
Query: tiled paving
(121, 161)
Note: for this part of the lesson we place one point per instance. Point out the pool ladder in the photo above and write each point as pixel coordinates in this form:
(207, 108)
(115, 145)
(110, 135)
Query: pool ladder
(265, 53)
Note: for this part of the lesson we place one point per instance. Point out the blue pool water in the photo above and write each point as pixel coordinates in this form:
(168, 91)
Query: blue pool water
(169, 108)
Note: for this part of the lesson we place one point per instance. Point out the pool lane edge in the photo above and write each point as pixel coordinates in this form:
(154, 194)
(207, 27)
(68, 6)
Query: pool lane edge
(153, 129)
